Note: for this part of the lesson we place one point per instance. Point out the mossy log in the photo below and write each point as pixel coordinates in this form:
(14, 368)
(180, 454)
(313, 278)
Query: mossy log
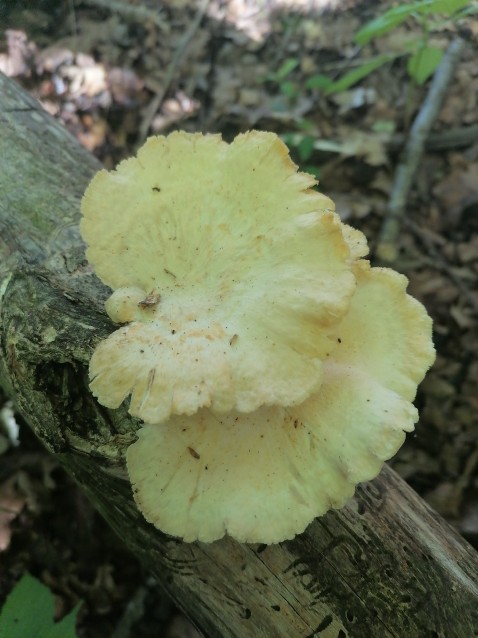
(384, 566)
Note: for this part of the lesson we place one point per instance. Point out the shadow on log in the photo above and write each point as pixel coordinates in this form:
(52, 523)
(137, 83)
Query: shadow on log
(384, 566)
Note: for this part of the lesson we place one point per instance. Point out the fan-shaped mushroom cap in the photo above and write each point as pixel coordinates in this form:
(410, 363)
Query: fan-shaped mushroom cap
(231, 270)
(263, 476)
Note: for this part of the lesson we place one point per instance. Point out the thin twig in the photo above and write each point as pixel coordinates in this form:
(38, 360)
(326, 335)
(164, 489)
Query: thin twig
(131, 13)
(133, 612)
(136, 609)
(387, 251)
(156, 102)
(458, 137)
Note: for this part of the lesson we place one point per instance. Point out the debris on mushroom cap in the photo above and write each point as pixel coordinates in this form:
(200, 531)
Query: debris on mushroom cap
(251, 475)
(232, 271)
(181, 372)
(262, 477)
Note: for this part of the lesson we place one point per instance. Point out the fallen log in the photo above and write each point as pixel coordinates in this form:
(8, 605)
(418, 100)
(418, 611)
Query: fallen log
(384, 565)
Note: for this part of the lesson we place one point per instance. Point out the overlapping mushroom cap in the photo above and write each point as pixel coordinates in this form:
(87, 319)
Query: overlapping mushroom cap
(273, 367)
(232, 271)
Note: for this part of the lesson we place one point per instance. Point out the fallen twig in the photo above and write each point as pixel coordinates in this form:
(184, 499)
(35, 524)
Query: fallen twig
(387, 244)
(458, 137)
(156, 102)
(135, 609)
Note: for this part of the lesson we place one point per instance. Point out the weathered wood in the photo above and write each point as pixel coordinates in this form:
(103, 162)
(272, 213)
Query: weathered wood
(385, 565)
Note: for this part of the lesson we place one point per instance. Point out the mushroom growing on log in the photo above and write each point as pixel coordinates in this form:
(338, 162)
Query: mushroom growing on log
(273, 367)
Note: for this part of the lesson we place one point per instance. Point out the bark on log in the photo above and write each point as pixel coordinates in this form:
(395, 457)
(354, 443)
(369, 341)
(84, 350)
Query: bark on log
(385, 565)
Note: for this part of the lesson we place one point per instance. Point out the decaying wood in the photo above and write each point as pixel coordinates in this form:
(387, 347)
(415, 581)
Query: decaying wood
(384, 566)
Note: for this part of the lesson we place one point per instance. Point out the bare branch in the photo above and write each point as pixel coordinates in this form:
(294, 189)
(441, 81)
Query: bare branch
(387, 244)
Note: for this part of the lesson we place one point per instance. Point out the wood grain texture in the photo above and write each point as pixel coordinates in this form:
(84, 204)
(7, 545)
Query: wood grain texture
(384, 566)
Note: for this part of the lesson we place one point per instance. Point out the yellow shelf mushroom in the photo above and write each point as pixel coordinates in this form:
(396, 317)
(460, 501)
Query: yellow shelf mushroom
(273, 368)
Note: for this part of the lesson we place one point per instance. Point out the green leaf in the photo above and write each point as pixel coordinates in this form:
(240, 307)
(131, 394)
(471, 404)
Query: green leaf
(394, 17)
(305, 147)
(447, 7)
(287, 67)
(313, 170)
(354, 76)
(318, 82)
(467, 11)
(66, 627)
(422, 64)
(305, 125)
(384, 126)
(287, 138)
(290, 89)
(28, 612)
(386, 22)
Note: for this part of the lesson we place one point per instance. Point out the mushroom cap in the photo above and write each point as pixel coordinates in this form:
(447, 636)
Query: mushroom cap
(232, 271)
(263, 476)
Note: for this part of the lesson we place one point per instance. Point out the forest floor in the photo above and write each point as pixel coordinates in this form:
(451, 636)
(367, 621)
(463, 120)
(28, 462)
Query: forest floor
(113, 76)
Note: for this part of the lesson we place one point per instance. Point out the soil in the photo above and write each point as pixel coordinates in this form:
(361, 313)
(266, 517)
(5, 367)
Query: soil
(113, 76)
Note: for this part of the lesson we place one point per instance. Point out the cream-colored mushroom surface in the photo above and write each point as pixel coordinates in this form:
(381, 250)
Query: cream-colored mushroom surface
(246, 270)
(272, 366)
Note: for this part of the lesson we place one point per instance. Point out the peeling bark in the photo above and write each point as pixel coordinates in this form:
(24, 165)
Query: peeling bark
(384, 565)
